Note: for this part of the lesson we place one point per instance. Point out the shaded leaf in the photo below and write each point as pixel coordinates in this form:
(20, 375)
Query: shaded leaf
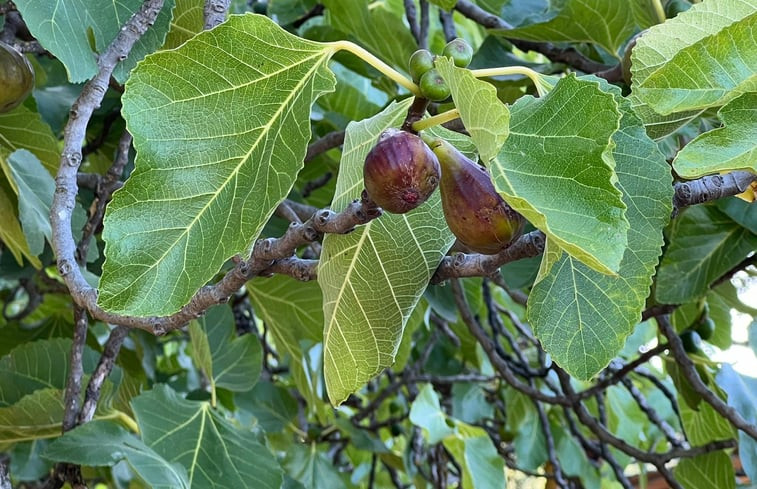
(256, 83)
(293, 312)
(188, 19)
(10, 230)
(482, 466)
(732, 147)
(236, 360)
(742, 395)
(35, 197)
(376, 27)
(272, 405)
(558, 144)
(63, 28)
(583, 317)
(24, 128)
(99, 443)
(704, 244)
(311, 467)
(607, 24)
(35, 416)
(426, 412)
(206, 445)
(373, 277)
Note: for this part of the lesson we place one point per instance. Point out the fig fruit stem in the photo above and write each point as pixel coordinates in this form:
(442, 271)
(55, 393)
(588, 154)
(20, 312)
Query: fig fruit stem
(372, 60)
(514, 70)
(659, 11)
(436, 120)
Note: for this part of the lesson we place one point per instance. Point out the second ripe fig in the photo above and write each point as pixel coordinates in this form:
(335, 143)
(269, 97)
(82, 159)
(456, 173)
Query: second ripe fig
(474, 211)
(400, 172)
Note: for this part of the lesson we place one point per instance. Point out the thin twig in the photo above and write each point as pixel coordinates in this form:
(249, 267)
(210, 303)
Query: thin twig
(103, 369)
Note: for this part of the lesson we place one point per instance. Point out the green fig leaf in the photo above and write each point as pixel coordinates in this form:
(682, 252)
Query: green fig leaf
(715, 40)
(24, 128)
(373, 277)
(198, 438)
(256, 83)
(706, 471)
(583, 317)
(607, 24)
(188, 20)
(104, 443)
(558, 144)
(378, 28)
(488, 128)
(64, 27)
(731, 147)
(10, 229)
(704, 244)
(35, 416)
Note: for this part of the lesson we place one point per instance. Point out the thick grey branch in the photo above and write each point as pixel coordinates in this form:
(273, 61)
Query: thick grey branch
(215, 12)
(711, 187)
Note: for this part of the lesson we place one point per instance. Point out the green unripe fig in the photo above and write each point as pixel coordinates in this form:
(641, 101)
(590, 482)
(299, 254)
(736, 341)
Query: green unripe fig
(705, 328)
(420, 62)
(16, 78)
(474, 211)
(675, 7)
(691, 340)
(400, 172)
(433, 86)
(460, 51)
(396, 429)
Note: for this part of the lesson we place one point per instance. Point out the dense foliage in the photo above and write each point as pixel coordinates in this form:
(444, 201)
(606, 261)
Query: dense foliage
(197, 291)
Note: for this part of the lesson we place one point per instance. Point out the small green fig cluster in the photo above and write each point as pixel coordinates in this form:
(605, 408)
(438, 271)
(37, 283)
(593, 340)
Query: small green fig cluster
(16, 78)
(430, 82)
(702, 329)
(402, 171)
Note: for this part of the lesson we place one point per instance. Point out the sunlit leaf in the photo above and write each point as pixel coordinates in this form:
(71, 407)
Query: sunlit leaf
(255, 83)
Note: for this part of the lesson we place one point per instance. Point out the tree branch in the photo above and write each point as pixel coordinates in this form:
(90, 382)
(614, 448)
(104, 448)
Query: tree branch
(215, 12)
(689, 371)
(709, 188)
(103, 369)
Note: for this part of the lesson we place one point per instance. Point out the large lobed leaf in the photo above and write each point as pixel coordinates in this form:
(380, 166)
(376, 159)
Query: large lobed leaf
(555, 169)
(24, 128)
(203, 442)
(104, 443)
(732, 147)
(64, 27)
(204, 187)
(373, 277)
(703, 57)
(583, 317)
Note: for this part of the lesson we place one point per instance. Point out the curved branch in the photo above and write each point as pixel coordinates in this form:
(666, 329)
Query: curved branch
(711, 187)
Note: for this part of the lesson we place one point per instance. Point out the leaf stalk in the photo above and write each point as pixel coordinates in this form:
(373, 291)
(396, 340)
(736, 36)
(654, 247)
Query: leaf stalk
(372, 60)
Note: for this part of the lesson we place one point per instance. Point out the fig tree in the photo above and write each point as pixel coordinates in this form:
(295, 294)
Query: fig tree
(400, 172)
(474, 211)
(691, 340)
(705, 328)
(460, 51)
(16, 78)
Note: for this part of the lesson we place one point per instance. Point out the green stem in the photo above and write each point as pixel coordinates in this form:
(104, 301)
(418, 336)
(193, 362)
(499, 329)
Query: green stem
(513, 70)
(124, 419)
(659, 11)
(372, 60)
(422, 124)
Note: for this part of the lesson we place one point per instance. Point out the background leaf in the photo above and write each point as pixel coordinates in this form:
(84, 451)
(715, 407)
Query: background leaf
(188, 19)
(706, 472)
(24, 128)
(704, 244)
(732, 147)
(10, 229)
(35, 416)
(100, 443)
(715, 41)
(199, 439)
(63, 26)
(583, 317)
(259, 83)
(556, 144)
(373, 277)
(608, 24)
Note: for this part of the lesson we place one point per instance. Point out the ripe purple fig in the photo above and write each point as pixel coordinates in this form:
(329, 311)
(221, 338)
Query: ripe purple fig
(473, 209)
(400, 172)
